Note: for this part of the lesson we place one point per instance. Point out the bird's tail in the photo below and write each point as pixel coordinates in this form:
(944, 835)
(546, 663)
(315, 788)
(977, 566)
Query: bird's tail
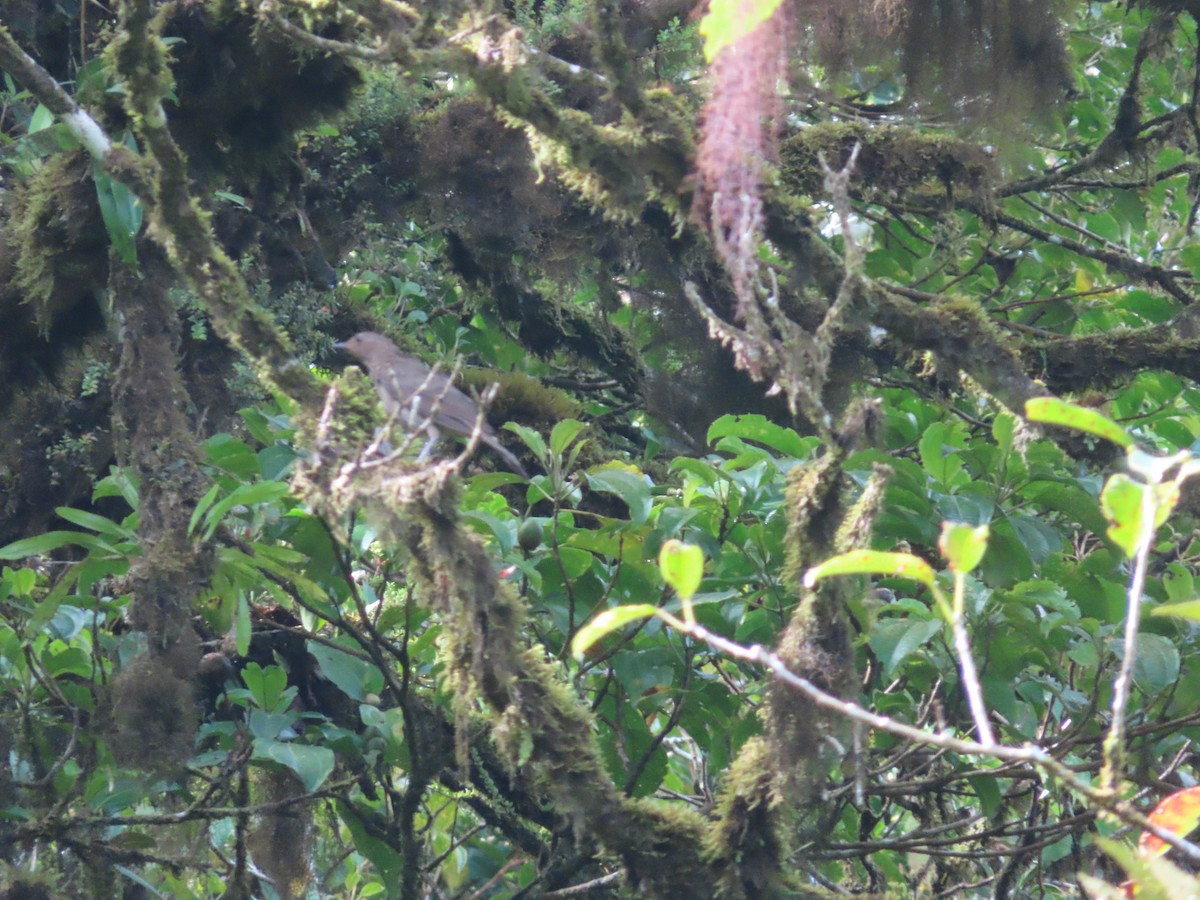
(509, 460)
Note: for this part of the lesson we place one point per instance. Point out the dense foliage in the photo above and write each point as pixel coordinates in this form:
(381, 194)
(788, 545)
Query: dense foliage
(905, 626)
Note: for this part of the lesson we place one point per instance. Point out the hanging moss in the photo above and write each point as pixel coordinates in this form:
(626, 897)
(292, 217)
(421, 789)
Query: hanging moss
(61, 248)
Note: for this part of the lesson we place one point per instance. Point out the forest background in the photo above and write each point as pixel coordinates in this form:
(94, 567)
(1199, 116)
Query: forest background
(819, 587)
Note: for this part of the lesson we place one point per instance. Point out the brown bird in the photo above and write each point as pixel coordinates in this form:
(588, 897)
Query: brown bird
(417, 399)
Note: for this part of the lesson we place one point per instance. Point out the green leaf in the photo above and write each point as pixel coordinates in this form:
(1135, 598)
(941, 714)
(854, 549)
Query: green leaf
(1189, 609)
(894, 640)
(1004, 428)
(354, 677)
(1052, 411)
(311, 764)
(761, 430)
(242, 629)
(1121, 502)
(962, 546)
(1157, 663)
(988, 792)
(645, 670)
(244, 495)
(533, 439)
(41, 119)
(630, 486)
(267, 726)
(386, 860)
(682, 567)
(52, 540)
(18, 582)
(945, 467)
(266, 686)
(121, 212)
(118, 483)
(96, 523)
(1178, 583)
(575, 563)
(563, 434)
(608, 621)
(873, 562)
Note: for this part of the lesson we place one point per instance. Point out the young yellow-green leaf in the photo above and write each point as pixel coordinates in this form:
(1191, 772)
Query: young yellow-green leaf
(242, 625)
(873, 562)
(1121, 502)
(728, 21)
(608, 621)
(682, 567)
(962, 546)
(563, 434)
(1188, 609)
(1052, 411)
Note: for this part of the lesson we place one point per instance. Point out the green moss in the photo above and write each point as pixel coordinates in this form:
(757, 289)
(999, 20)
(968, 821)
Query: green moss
(61, 251)
(892, 160)
(746, 843)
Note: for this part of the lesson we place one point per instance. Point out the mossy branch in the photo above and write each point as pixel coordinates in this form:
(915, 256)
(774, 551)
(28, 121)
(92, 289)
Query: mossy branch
(183, 228)
(546, 734)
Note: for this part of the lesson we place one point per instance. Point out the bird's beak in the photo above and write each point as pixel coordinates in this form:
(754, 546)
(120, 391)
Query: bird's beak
(340, 345)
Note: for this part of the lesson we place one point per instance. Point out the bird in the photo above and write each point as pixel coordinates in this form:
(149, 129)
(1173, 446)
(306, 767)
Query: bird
(419, 398)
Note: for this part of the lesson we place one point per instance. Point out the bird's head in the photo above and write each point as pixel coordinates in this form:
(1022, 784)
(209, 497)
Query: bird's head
(366, 345)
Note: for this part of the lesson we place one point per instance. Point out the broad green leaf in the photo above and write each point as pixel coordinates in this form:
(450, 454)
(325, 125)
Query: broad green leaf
(563, 434)
(630, 486)
(18, 582)
(244, 495)
(1121, 502)
(575, 563)
(761, 430)
(682, 567)
(608, 621)
(894, 640)
(354, 677)
(1178, 583)
(386, 860)
(266, 686)
(1052, 411)
(873, 562)
(1004, 428)
(267, 726)
(1157, 663)
(1189, 609)
(532, 438)
(645, 670)
(962, 546)
(311, 764)
(121, 212)
(41, 119)
(945, 467)
(987, 790)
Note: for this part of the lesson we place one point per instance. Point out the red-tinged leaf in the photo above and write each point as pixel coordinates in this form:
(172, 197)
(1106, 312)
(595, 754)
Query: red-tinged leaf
(1179, 813)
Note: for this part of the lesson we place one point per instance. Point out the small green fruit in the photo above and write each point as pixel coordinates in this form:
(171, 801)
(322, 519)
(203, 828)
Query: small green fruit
(529, 535)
